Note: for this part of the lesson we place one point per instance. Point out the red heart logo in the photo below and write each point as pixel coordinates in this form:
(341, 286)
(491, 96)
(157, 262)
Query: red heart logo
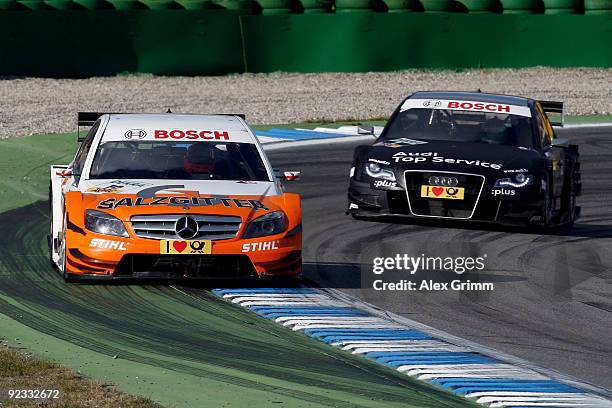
(437, 190)
(179, 245)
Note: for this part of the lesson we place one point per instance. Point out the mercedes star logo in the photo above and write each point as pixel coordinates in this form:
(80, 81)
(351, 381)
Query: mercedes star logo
(135, 134)
(186, 227)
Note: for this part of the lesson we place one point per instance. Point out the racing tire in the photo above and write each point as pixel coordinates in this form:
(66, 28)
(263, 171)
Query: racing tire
(569, 208)
(62, 253)
(50, 236)
(547, 206)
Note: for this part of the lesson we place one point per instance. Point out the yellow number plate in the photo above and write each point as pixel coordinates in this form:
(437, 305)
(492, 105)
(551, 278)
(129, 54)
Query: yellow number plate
(185, 247)
(449, 193)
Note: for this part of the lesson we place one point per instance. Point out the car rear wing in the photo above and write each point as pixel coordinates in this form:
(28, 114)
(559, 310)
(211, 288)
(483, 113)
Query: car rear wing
(87, 119)
(555, 112)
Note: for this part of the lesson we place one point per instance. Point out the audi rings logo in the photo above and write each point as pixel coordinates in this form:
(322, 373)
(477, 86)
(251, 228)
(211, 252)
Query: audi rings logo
(433, 104)
(186, 227)
(443, 181)
(135, 134)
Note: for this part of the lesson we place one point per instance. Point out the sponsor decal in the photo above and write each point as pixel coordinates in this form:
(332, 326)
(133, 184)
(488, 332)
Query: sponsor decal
(185, 247)
(378, 161)
(116, 186)
(402, 141)
(353, 206)
(384, 183)
(516, 171)
(478, 106)
(135, 134)
(474, 106)
(433, 157)
(449, 193)
(432, 103)
(260, 246)
(502, 191)
(108, 244)
(191, 134)
(111, 203)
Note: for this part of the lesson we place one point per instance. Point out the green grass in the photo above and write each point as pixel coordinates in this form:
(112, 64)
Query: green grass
(24, 166)
(19, 370)
(576, 119)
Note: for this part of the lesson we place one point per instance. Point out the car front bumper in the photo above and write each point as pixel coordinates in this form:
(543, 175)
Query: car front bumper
(138, 258)
(363, 200)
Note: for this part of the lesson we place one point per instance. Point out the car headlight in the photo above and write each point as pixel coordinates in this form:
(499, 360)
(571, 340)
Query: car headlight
(269, 224)
(374, 170)
(518, 181)
(103, 223)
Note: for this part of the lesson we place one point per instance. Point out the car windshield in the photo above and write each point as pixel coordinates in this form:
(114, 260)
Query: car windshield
(178, 160)
(461, 126)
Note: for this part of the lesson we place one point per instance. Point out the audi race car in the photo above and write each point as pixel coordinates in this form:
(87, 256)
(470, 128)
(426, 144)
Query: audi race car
(172, 196)
(469, 156)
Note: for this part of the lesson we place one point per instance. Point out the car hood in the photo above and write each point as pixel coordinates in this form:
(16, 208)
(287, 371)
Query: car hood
(199, 187)
(452, 156)
(124, 198)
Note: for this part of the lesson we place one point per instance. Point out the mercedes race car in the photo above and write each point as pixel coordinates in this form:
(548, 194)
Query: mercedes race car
(172, 196)
(469, 156)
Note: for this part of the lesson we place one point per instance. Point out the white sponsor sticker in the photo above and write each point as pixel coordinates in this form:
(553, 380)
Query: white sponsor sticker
(108, 244)
(260, 246)
(473, 106)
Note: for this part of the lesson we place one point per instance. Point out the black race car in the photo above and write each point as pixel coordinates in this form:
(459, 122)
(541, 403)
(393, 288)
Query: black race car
(469, 156)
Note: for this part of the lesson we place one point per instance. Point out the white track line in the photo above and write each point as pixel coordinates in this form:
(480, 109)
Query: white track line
(291, 320)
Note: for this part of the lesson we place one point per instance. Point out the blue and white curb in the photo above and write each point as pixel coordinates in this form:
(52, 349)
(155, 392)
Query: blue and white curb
(293, 135)
(456, 366)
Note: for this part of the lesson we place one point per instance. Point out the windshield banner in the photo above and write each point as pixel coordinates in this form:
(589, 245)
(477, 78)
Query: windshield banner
(473, 106)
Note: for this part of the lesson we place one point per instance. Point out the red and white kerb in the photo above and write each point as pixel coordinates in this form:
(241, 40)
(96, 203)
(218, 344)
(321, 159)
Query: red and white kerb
(474, 106)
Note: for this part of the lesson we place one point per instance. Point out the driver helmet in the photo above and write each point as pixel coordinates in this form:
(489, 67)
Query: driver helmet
(494, 125)
(200, 158)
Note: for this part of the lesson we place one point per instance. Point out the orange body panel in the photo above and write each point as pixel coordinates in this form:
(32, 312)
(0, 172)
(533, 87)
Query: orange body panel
(90, 253)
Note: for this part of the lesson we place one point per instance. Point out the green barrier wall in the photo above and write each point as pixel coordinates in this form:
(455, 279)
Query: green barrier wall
(392, 41)
(81, 43)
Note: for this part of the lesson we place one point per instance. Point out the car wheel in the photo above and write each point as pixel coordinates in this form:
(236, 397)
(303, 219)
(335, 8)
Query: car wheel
(569, 199)
(61, 265)
(50, 236)
(547, 206)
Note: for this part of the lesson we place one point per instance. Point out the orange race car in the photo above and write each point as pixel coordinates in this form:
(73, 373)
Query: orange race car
(172, 196)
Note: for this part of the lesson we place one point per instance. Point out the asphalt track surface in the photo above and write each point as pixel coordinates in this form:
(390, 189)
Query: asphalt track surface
(552, 302)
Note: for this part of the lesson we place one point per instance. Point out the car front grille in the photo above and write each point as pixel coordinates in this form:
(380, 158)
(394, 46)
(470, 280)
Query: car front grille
(213, 227)
(442, 208)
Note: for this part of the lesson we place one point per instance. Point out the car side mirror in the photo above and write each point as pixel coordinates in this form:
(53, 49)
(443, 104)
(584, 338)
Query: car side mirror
(287, 175)
(365, 129)
(65, 173)
(557, 142)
